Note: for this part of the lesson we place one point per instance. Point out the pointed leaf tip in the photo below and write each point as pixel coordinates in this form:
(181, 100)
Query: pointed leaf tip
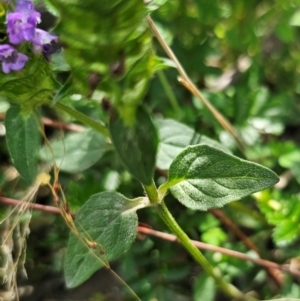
(202, 177)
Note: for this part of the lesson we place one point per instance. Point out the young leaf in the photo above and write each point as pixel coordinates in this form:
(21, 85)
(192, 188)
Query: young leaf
(202, 177)
(136, 144)
(23, 141)
(174, 137)
(69, 157)
(110, 220)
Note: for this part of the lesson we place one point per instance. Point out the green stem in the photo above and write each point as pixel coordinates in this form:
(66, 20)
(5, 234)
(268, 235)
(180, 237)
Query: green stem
(169, 92)
(152, 193)
(227, 288)
(82, 118)
(169, 220)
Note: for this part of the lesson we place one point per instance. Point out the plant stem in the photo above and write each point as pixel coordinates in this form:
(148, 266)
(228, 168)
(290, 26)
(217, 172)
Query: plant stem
(97, 126)
(169, 220)
(170, 94)
(152, 193)
(227, 288)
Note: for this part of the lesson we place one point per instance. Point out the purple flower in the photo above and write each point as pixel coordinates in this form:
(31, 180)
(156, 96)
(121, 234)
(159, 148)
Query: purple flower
(21, 23)
(41, 39)
(11, 59)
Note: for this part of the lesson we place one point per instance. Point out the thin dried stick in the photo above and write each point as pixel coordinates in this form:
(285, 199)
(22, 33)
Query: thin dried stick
(13, 202)
(236, 230)
(68, 127)
(187, 82)
(171, 238)
(232, 253)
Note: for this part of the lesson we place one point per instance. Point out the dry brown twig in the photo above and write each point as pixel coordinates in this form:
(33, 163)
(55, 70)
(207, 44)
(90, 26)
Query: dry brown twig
(187, 83)
(68, 127)
(171, 238)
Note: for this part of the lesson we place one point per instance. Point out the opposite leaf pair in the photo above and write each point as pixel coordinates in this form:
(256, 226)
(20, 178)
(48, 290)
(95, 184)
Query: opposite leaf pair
(201, 177)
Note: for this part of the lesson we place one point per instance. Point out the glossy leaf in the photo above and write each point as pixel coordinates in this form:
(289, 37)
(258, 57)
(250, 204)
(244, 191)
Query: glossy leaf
(174, 137)
(136, 144)
(110, 220)
(23, 141)
(202, 177)
(76, 151)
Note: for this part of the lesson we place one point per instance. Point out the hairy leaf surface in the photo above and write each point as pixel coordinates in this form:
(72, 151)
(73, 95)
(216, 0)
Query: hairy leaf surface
(202, 177)
(23, 141)
(174, 137)
(76, 151)
(136, 144)
(108, 219)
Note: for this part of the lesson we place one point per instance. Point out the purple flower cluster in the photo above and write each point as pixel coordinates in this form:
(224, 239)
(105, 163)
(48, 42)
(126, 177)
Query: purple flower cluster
(22, 27)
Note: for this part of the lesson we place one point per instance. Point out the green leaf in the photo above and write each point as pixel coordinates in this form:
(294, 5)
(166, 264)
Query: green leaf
(123, 37)
(295, 19)
(287, 160)
(32, 85)
(136, 144)
(110, 220)
(282, 212)
(163, 63)
(23, 141)
(214, 236)
(286, 231)
(76, 151)
(63, 91)
(58, 62)
(174, 137)
(204, 288)
(202, 177)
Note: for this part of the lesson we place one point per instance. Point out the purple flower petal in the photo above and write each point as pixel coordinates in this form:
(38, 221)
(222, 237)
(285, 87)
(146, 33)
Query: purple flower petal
(5, 51)
(27, 8)
(21, 24)
(11, 59)
(41, 39)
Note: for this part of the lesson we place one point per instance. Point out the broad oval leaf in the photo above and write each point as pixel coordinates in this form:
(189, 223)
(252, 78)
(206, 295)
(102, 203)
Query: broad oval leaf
(23, 141)
(110, 220)
(76, 151)
(174, 137)
(136, 144)
(202, 177)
